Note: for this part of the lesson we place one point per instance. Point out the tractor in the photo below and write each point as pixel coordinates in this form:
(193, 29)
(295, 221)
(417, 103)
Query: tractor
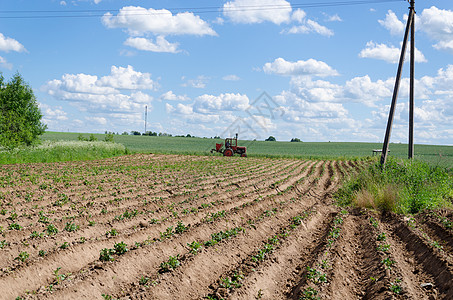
(230, 147)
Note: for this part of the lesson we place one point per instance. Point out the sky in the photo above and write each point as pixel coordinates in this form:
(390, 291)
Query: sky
(314, 70)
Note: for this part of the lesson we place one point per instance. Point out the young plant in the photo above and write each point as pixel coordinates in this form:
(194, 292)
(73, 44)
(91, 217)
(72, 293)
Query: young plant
(194, 247)
(120, 248)
(106, 254)
(172, 263)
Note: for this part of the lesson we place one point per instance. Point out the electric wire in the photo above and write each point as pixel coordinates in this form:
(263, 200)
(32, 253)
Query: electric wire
(90, 13)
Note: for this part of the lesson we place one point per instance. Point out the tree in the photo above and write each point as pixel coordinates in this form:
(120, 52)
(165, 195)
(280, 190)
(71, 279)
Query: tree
(295, 140)
(20, 116)
(270, 139)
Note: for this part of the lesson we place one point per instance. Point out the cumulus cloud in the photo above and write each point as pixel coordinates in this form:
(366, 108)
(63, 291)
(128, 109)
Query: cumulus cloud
(224, 102)
(438, 25)
(170, 96)
(138, 21)
(258, 11)
(91, 93)
(8, 44)
(127, 78)
(161, 44)
(392, 23)
(389, 54)
(310, 67)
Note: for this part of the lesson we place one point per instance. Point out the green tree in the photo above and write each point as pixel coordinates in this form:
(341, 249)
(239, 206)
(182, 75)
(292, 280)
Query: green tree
(270, 139)
(20, 116)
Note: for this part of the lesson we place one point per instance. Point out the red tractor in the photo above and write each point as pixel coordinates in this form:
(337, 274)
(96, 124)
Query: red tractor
(230, 147)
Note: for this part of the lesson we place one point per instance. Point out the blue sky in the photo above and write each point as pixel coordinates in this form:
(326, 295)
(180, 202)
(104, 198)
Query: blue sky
(258, 67)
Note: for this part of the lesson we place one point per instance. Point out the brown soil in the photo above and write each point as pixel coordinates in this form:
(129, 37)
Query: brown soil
(267, 229)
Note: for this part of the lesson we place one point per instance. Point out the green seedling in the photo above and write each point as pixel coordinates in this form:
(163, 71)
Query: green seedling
(381, 237)
(172, 263)
(180, 228)
(383, 248)
(106, 254)
(51, 229)
(388, 262)
(194, 247)
(120, 248)
(23, 256)
(71, 227)
(310, 294)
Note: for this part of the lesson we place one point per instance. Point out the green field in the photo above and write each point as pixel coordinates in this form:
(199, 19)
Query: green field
(437, 155)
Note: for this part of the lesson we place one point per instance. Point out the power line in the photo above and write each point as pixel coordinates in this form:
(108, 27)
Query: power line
(90, 13)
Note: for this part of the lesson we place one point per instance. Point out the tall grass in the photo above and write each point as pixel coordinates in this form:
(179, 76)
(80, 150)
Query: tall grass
(403, 186)
(62, 151)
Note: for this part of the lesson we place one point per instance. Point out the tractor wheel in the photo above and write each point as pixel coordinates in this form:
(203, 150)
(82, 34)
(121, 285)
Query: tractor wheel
(228, 152)
(243, 155)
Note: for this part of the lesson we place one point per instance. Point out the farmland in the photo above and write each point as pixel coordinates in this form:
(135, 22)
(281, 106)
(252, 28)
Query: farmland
(434, 154)
(154, 226)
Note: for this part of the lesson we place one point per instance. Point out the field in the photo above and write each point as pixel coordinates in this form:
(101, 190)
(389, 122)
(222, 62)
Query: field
(434, 154)
(153, 226)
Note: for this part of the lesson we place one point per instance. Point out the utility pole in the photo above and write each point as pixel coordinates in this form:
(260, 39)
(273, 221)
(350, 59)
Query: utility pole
(146, 116)
(409, 25)
(411, 91)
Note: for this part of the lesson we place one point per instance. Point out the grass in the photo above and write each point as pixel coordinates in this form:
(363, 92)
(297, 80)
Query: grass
(434, 154)
(63, 150)
(403, 186)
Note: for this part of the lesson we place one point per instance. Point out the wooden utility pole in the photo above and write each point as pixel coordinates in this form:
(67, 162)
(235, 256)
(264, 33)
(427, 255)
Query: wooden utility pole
(409, 25)
(411, 92)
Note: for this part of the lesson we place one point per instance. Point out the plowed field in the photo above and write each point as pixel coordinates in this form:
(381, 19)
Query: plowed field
(193, 227)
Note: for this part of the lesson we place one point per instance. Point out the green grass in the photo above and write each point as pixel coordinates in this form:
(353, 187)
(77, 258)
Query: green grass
(55, 151)
(435, 155)
(403, 186)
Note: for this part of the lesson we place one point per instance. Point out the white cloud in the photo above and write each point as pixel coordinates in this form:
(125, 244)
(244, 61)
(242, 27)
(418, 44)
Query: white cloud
(198, 83)
(5, 64)
(127, 78)
(438, 25)
(392, 23)
(92, 94)
(309, 67)
(9, 44)
(138, 20)
(298, 15)
(224, 102)
(97, 120)
(387, 53)
(231, 77)
(53, 113)
(63, 3)
(334, 18)
(309, 27)
(258, 11)
(170, 96)
(161, 44)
